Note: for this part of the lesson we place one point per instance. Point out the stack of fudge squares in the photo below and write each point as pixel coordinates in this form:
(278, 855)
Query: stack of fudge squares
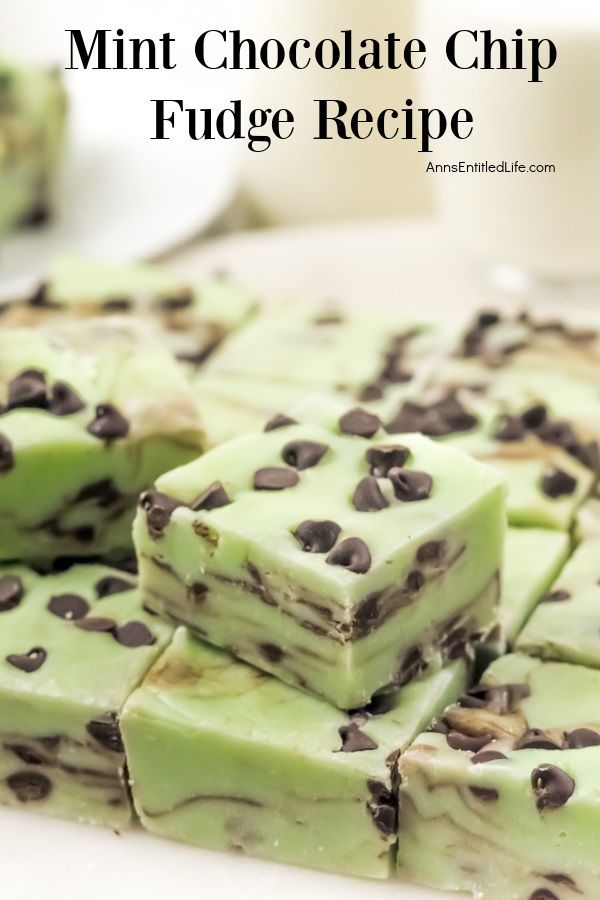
(312, 584)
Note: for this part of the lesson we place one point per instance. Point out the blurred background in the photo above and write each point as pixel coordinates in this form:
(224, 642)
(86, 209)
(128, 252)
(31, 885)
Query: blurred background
(122, 195)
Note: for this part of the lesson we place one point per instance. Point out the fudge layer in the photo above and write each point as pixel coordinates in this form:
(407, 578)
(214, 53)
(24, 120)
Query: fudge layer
(72, 648)
(533, 557)
(225, 756)
(502, 798)
(566, 624)
(33, 109)
(339, 559)
(90, 414)
(193, 318)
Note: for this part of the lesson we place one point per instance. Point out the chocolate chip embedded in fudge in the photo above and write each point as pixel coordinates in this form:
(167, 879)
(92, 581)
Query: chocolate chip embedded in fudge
(268, 770)
(60, 743)
(320, 557)
(522, 748)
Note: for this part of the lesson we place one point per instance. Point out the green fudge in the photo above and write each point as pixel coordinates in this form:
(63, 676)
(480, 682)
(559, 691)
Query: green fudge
(339, 559)
(194, 319)
(224, 756)
(566, 624)
(501, 798)
(90, 415)
(33, 109)
(72, 648)
(533, 558)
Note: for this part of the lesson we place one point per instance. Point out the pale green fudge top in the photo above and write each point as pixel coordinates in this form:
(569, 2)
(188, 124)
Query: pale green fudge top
(195, 687)
(322, 346)
(80, 637)
(98, 381)
(532, 559)
(194, 317)
(327, 473)
(566, 625)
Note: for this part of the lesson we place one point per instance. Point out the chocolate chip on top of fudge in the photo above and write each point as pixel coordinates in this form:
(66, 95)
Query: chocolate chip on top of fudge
(350, 550)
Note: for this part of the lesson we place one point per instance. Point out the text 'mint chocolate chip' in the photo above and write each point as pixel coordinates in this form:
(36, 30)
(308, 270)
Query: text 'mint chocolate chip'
(359, 423)
(112, 584)
(28, 662)
(552, 786)
(279, 421)
(317, 536)
(12, 592)
(64, 401)
(159, 508)
(303, 454)
(275, 478)
(7, 459)
(68, 606)
(352, 554)
(410, 485)
(213, 497)
(105, 729)
(382, 459)
(109, 424)
(367, 496)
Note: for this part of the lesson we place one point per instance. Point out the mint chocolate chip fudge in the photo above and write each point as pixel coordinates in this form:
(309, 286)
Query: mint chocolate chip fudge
(193, 318)
(90, 415)
(501, 798)
(258, 767)
(340, 559)
(73, 645)
(33, 111)
(566, 624)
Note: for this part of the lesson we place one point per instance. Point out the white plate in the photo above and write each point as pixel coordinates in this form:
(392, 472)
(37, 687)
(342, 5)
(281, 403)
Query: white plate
(122, 196)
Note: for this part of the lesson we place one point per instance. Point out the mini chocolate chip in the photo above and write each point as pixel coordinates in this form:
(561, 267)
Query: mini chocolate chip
(354, 740)
(112, 584)
(271, 652)
(382, 459)
(488, 318)
(117, 304)
(431, 553)
(560, 878)
(105, 729)
(534, 739)
(410, 485)
(413, 583)
(486, 756)
(557, 596)
(12, 592)
(370, 392)
(213, 497)
(484, 794)
(7, 459)
(159, 508)
(279, 421)
(109, 424)
(100, 624)
(103, 492)
(535, 416)
(360, 423)
(134, 634)
(558, 483)
(28, 662)
(64, 401)
(40, 298)
(27, 754)
(68, 606)
(511, 428)
(379, 704)
(543, 894)
(552, 786)
(29, 389)
(303, 454)
(29, 786)
(317, 536)
(351, 553)
(580, 738)
(445, 416)
(473, 743)
(182, 300)
(275, 478)
(412, 664)
(367, 495)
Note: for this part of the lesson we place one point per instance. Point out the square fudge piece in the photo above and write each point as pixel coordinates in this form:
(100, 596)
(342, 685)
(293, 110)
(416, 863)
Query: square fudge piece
(72, 648)
(533, 557)
(501, 798)
(33, 112)
(339, 559)
(566, 624)
(224, 756)
(318, 346)
(90, 415)
(194, 319)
